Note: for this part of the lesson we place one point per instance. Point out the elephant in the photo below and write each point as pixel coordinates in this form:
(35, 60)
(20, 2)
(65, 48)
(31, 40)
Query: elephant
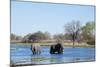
(56, 49)
(36, 49)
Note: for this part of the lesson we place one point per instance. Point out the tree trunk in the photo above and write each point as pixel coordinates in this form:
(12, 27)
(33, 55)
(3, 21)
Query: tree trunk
(73, 40)
(73, 43)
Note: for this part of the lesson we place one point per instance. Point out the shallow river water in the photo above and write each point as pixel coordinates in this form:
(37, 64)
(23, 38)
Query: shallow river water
(21, 54)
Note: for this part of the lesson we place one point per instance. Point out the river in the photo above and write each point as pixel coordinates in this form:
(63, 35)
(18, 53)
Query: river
(21, 54)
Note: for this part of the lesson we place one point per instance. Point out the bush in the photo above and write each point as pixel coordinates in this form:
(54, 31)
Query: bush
(92, 42)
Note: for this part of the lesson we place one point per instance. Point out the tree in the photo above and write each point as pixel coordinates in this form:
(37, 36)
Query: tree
(26, 38)
(67, 36)
(59, 37)
(15, 38)
(88, 33)
(12, 36)
(36, 37)
(73, 29)
(47, 35)
(19, 38)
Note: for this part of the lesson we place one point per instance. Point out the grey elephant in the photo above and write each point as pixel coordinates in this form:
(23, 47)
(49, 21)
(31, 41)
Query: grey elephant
(36, 49)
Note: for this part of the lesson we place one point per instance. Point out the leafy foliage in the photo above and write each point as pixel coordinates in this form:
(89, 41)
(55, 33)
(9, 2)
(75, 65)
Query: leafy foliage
(88, 33)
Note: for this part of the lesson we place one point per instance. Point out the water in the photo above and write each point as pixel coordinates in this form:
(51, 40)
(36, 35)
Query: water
(21, 54)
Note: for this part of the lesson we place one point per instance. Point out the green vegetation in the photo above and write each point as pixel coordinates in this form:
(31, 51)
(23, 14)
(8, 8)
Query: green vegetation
(88, 33)
(36, 37)
(74, 33)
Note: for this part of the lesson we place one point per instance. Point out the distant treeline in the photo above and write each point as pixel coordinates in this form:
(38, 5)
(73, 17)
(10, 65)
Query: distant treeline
(74, 31)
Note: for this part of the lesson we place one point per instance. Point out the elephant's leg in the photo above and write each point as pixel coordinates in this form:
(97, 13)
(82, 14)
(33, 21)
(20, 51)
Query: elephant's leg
(34, 51)
(38, 51)
(61, 50)
(52, 50)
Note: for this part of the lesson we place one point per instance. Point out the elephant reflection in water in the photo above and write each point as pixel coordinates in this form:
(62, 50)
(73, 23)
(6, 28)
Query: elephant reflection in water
(36, 49)
(56, 49)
